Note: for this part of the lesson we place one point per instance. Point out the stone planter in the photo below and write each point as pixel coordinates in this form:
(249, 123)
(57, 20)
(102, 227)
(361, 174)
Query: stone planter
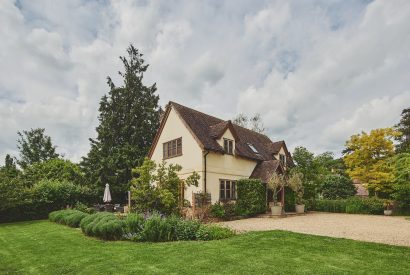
(388, 212)
(300, 208)
(276, 210)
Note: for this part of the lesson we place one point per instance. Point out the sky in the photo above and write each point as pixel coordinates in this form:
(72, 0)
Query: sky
(316, 71)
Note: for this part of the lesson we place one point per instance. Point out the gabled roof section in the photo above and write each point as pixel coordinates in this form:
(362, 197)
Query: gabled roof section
(265, 169)
(207, 129)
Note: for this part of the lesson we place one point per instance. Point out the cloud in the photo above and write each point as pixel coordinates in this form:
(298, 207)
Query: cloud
(316, 71)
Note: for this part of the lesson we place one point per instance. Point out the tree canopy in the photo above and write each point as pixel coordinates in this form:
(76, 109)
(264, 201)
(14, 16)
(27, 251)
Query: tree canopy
(35, 146)
(253, 123)
(128, 120)
(403, 127)
(367, 159)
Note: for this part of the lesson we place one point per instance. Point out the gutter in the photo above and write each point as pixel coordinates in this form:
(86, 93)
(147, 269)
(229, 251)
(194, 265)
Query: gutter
(205, 154)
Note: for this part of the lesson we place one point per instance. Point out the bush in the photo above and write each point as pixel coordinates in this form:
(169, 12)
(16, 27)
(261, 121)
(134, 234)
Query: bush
(42, 198)
(251, 197)
(103, 225)
(157, 229)
(213, 232)
(68, 217)
(84, 208)
(401, 194)
(353, 205)
(217, 211)
(186, 230)
(337, 187)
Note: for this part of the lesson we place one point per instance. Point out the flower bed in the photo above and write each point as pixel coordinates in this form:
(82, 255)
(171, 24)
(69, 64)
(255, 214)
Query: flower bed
(136, 227)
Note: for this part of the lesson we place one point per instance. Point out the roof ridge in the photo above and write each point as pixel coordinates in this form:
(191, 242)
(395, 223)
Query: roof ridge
(175, 103)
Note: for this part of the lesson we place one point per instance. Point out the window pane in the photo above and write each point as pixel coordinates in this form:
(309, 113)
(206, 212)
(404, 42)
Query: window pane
(226, 145)
(230, 147)
(228, 189)
(179, 146)
(222, 189)
(233, 190)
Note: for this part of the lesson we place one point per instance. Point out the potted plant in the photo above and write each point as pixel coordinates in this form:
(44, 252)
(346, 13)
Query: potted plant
(388, 208)
(296, 184)
(276, 184)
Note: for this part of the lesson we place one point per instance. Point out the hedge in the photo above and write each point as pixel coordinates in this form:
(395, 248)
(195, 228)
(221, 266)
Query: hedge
(44, 197)
(251, 197)
(353, 205)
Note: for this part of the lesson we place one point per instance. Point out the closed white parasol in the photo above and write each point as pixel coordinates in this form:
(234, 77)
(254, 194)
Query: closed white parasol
(107, 194)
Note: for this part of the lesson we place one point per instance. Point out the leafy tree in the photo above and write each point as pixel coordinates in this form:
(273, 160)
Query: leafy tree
(314, 169)
(296, 184)
(404, 127)
(9, 169)
(35, 146)
(129, 118)
(276, 183)
(157, 187)
(254, 123)
(401, 187)
(366, 157)
(337, 187)
(54, 169)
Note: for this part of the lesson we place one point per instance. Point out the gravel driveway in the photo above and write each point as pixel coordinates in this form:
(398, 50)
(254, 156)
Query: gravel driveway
(371, 228)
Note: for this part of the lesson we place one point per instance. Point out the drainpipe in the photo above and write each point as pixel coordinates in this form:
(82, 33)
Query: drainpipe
(205, 154)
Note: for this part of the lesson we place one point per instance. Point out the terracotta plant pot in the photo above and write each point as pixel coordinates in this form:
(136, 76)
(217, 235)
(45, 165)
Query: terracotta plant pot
(300, 208)
(388, 212)
(276, 210)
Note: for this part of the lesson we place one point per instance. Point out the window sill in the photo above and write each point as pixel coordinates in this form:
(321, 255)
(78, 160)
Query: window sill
(172, 157)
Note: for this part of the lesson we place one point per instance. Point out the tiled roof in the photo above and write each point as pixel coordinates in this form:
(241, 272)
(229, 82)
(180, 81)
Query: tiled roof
(265, 169)
(208, 128)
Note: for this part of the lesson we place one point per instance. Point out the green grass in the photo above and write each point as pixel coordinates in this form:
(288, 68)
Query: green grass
(42, 247)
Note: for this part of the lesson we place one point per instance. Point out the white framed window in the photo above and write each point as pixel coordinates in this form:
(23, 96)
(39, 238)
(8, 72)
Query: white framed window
(228, 146)
(172, 148)
(227, 190)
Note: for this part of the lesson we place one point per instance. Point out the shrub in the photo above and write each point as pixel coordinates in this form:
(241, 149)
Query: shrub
(186, 230)
(337, 187)
(68, 217)
(401, 193)
(353, 205)
(157, 229)
(84, 208)
(213, 232)
(103, 225)
(251, 197)
(217, 211)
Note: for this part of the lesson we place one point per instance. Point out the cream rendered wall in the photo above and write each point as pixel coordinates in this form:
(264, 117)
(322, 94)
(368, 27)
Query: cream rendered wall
(191, 159)
(225, 166)
(281, 152)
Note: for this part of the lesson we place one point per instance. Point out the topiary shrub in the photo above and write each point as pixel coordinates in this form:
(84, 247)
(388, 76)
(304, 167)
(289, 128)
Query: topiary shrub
(251, 197)
(353, 205)
(213, 232)
(68, 217)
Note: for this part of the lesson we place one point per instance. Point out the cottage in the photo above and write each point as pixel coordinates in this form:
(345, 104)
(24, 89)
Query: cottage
(218, 150)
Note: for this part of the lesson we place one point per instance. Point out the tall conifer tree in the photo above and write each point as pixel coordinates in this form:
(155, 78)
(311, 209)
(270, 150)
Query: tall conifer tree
(129, 118)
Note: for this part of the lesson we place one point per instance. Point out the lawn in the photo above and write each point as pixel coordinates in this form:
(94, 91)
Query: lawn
(42, 247)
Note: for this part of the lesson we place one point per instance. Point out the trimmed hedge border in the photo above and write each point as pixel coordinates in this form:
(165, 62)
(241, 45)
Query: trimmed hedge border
(353, 205)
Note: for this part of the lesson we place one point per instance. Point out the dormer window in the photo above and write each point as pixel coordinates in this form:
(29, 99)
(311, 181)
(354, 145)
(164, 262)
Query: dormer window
(228, 146)
(253, 148)
(282, 159)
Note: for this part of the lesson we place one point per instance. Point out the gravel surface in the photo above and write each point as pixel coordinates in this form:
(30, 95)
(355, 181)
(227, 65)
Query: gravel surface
(371, 228)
